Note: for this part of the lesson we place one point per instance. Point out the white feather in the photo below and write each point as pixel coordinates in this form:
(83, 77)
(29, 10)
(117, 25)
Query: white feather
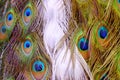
(55, 25)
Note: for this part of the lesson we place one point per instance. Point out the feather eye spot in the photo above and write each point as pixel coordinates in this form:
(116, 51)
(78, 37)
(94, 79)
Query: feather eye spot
(83, 44)
(28, 12)
(27, 47)
(38, 66)
(9, 17)
(27, 15)
(3, 29)
(3, 33)
(102, 32)
(119, 1)
(27, 44)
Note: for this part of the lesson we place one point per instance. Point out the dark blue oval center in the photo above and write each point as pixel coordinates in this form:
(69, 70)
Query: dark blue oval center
(83, 44)
(28, 12)
(38, 66)
(102, 32)
(9, 17)
(27, 44)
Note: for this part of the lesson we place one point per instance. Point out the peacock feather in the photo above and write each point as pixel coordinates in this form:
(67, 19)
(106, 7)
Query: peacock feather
(28, 15)
(7, 24)
(59, 40)
(26, 62)
(101, 35)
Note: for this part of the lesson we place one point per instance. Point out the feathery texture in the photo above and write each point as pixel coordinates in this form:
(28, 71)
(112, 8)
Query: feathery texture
(59, 39)
(99, 37)
(40, 43)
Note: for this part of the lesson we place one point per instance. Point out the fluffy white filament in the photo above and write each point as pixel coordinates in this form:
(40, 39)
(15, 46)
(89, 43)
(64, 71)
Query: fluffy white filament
(55, 24)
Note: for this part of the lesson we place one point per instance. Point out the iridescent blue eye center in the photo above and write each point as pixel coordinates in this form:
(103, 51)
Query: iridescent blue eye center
(3, 29)
(102, 32)
(27, 44)
(38, 66)
(28, 12)
(83, 44)
(9, 17)
(119, 1)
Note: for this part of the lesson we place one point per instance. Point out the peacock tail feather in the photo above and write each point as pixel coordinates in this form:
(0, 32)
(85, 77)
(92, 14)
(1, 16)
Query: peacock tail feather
(26, 62)
(59, 39)
(103, 40)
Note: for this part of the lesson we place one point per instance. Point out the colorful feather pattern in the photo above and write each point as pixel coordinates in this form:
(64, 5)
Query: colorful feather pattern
(103, 36)
(59, 39)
